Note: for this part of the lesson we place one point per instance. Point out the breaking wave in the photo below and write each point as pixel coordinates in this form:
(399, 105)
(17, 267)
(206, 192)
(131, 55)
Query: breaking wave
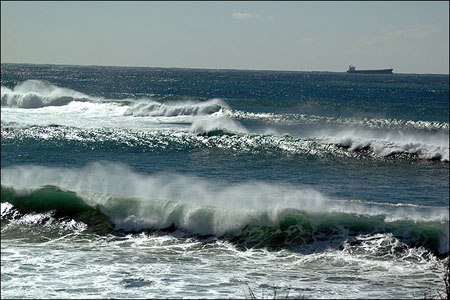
(151, 108)
(426, 145)
(217, 126)
(254, 214)
(38, 93)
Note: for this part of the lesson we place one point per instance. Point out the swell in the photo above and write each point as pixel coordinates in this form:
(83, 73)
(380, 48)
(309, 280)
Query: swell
(214, 119)
(250, 215)
(308, 119)
(40, 93)
(226, 136)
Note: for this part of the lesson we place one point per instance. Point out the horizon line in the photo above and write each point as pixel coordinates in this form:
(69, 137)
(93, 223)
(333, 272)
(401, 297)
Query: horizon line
(198, 68)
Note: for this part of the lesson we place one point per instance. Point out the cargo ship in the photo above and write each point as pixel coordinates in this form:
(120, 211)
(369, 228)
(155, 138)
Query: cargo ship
(352, 69)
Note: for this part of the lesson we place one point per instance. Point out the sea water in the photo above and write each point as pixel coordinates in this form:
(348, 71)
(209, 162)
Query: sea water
(160, 183)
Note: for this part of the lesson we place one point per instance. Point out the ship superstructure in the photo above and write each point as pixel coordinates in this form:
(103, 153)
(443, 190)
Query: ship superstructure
(352, 69)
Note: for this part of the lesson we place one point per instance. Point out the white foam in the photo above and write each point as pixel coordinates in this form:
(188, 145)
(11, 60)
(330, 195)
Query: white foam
(76, 114)
(38, 93)
(52, 105)
(428, 145)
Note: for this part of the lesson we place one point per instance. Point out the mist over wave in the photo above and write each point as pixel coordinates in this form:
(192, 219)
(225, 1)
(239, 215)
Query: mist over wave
(204, 117)
(151, 108)
(219, 125)
(134, 201)
(38, 93)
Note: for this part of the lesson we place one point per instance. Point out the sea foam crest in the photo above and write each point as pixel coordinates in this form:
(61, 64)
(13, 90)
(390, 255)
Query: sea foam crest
(117, 180)
(223, 124)
(386, 143)
(151, 108)
(38, 93)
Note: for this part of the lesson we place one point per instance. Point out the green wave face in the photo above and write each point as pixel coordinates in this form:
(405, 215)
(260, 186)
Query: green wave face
(63, 205)
(297, 229)
(45, 199)
(292, 229)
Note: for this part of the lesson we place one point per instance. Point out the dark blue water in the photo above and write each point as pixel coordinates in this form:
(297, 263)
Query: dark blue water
(400, 97)
(373, 149)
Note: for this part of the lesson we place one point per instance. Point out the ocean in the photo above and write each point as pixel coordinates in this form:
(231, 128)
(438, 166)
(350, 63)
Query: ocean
(130, 182)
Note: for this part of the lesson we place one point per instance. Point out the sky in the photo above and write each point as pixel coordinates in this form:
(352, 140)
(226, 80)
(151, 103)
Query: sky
(409, 36)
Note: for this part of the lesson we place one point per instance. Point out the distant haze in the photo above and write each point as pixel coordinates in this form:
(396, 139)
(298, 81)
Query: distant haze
(411, 37)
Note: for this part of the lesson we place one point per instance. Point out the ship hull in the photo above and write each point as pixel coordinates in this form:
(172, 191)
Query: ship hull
(383, 71)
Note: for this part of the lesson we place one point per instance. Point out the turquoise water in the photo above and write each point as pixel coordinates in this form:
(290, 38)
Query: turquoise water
(147, 182)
